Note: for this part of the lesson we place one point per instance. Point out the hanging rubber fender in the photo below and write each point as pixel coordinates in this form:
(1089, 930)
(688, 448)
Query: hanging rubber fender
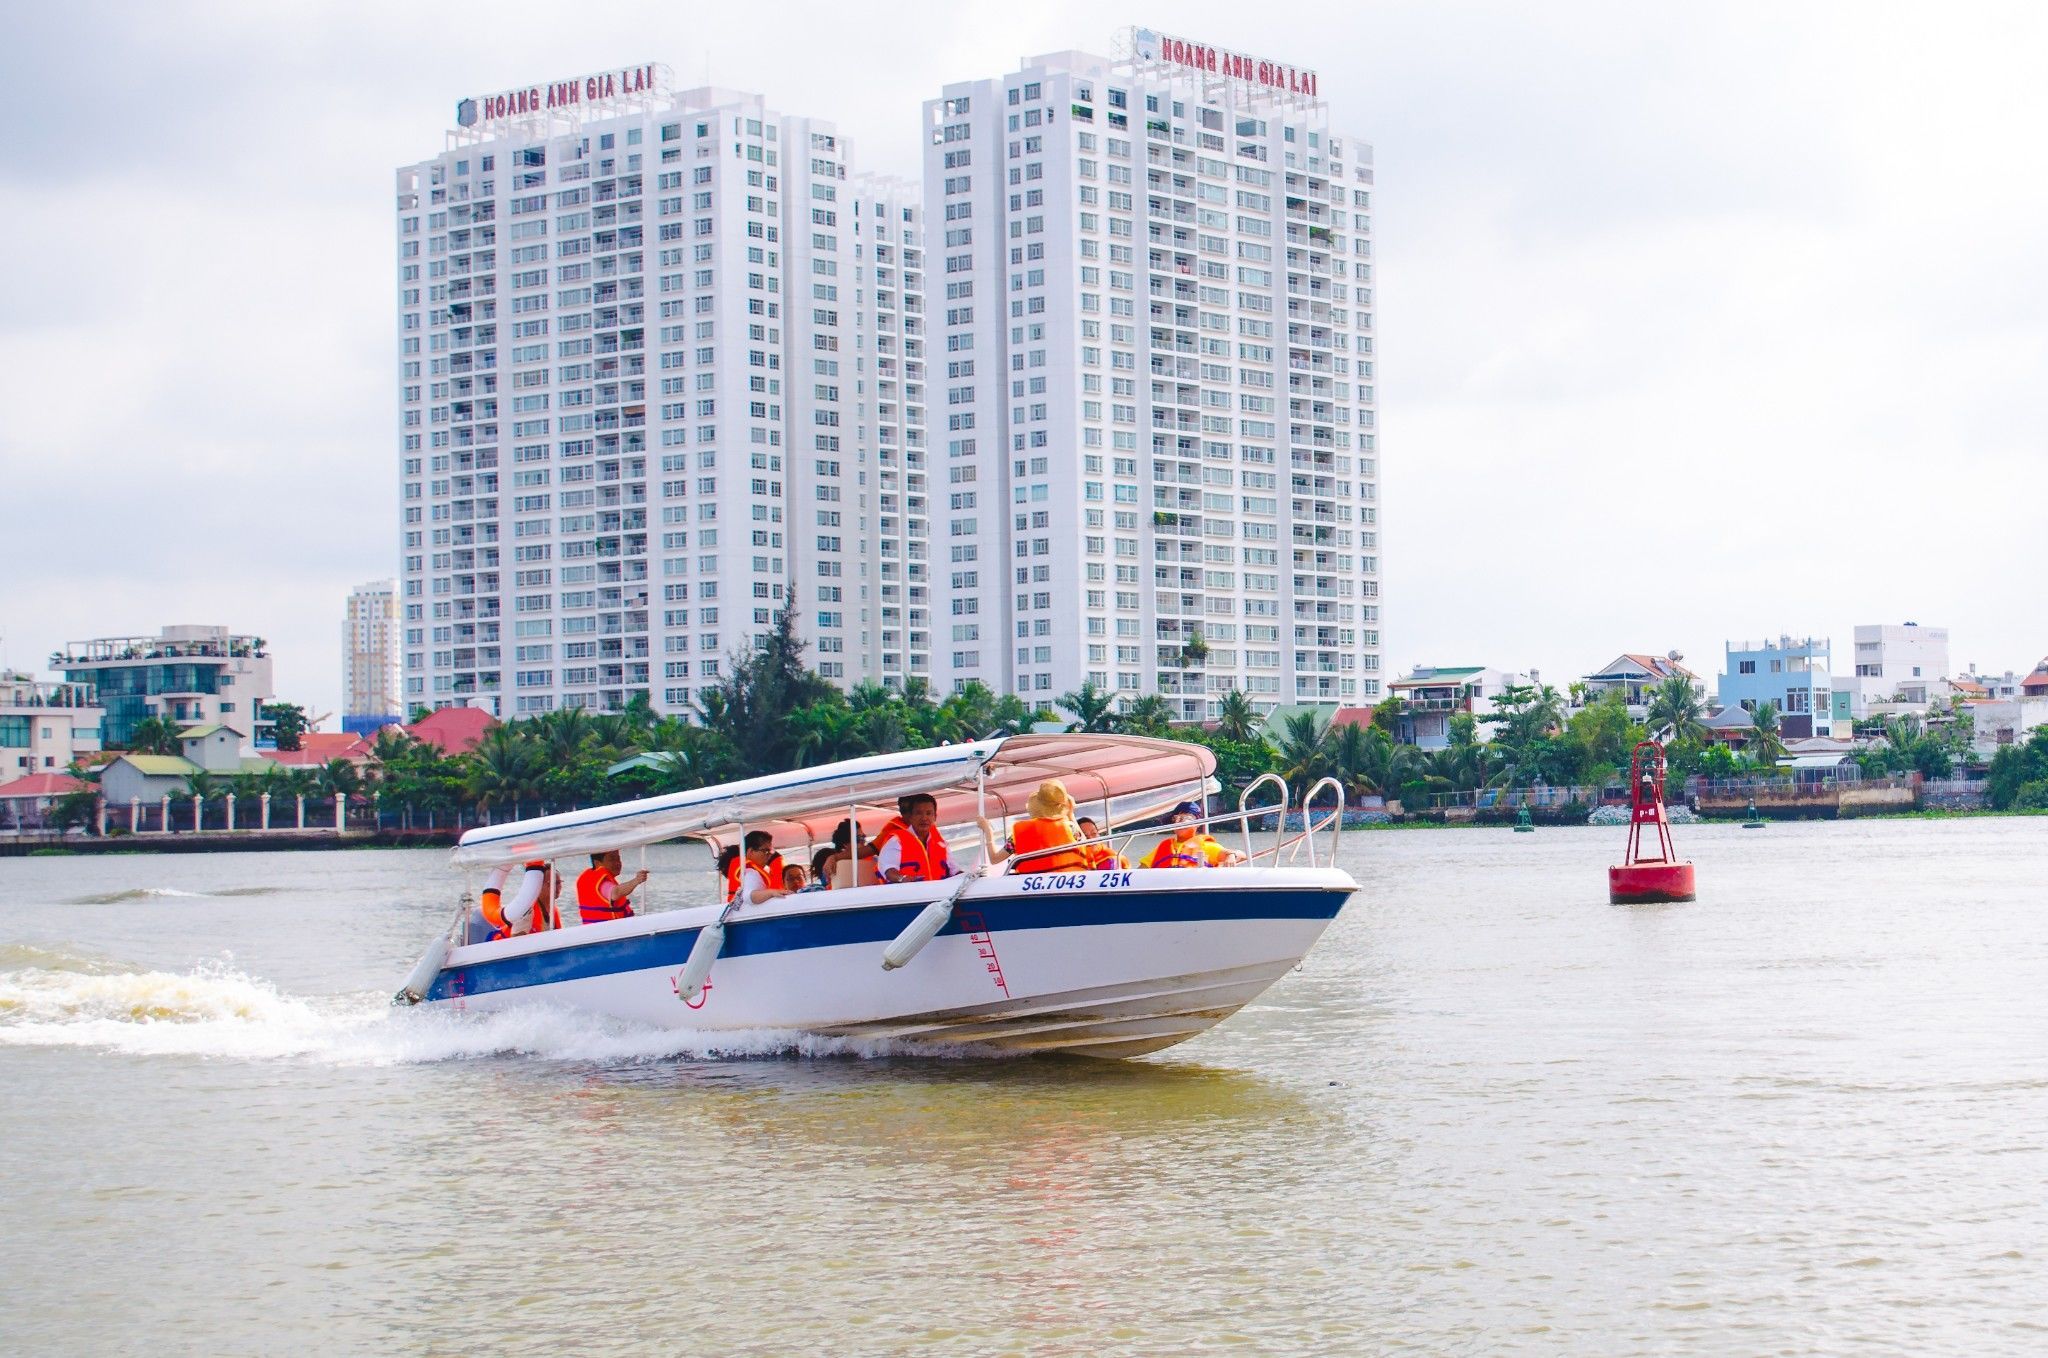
(421, 978)
(697, 969)
(921, 930)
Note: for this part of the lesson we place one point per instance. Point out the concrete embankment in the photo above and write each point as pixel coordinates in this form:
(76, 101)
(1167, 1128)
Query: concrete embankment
(244, 841)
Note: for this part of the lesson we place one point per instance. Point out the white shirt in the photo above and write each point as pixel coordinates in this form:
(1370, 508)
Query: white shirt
(751, 881)
(891, 859)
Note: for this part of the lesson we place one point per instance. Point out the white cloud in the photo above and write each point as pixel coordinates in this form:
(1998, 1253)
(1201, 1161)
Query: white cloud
(1694, 323)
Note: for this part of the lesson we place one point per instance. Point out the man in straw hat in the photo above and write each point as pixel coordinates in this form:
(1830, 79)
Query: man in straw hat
(1042, 842)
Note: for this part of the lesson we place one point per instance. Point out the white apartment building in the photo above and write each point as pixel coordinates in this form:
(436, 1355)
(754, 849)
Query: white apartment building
(370, 691)
(660, 370)
(195, 674)
(44, 726)
(1901, 662)
(1154, 433)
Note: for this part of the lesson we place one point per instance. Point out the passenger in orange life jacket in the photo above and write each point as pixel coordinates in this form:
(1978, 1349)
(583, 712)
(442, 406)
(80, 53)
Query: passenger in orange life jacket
(912, 849)
(755, 888)
(530, 909)
(600, 895)
(732, 862)
(1041, 841)
(1187, 847)
(1098, 855)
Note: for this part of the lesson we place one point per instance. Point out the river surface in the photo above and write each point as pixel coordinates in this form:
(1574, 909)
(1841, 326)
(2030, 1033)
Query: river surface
(1491, 1114)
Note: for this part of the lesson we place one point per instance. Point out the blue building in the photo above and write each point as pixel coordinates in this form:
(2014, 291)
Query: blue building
(1792, 672)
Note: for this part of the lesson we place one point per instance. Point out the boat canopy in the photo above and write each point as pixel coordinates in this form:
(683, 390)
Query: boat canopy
(1117, 779)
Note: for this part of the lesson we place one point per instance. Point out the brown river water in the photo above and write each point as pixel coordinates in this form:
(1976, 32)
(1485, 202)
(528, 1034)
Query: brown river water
(1490, 1114)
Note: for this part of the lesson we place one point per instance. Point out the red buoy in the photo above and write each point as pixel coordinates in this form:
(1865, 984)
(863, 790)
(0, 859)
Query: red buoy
(1642, 877)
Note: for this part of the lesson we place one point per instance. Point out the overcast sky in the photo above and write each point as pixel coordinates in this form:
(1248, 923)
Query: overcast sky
(1694, 322)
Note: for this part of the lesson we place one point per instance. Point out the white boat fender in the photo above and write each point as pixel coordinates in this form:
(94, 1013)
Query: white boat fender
(921, 930)
(697, 968)
(420, 979)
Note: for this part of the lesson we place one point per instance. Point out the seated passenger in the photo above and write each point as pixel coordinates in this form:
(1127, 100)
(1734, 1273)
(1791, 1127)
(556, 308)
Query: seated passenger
(600, 895)
(755, 874)
(794, 878)
(852, 861)
(732, 861)
(1098, 855)
(487, 917)
(531, 910)
(1039, 842)
(911, 847)
(1188, 847)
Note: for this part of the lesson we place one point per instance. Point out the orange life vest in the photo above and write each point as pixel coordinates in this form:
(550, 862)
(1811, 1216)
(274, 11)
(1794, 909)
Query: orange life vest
(590, 901)
(917, 861)
(1099, 856)
(1199, 852)
(1030, 836)
(734, 870)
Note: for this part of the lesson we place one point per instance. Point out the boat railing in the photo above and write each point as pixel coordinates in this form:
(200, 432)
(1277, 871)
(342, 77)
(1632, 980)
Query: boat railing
(1244, 815)
(1121, 846)
(1333, 821)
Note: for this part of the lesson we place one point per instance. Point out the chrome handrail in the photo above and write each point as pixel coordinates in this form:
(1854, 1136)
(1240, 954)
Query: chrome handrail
(1244, 819)
(1336, 819)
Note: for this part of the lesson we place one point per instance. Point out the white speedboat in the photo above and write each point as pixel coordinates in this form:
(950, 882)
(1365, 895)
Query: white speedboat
(1108, 962)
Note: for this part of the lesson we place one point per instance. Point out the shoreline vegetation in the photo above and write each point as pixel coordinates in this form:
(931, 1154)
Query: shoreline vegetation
(772, 713)
(290, 841)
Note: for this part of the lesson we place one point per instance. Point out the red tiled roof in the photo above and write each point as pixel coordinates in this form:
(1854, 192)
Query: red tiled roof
(43, 785)
(334, 744)
(1352, 716)
(453, 730)
(319, 748)
(1660, 665)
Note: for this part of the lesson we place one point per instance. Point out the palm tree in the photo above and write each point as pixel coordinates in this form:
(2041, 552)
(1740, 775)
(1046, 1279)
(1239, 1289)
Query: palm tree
(339, 777)
(565, 734)
(1675, 704)
(1150, 715)
(1237, 716)
(503, 769)
(1093, 708)
(1304, 752)
(617, 733)
(1766, 746)
(391, 745)
(967, 714)
(820, 732)
(1368, 760)
(155, 735)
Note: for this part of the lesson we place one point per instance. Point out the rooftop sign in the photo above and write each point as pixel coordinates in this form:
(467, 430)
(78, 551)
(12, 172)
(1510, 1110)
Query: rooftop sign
(1271, 75)
(561, 95)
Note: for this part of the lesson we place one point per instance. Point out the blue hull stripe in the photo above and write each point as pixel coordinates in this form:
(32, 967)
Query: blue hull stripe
(750, 938)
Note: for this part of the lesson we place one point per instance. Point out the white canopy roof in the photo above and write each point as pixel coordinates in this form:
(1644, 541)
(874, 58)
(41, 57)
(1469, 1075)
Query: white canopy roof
(1122, 778)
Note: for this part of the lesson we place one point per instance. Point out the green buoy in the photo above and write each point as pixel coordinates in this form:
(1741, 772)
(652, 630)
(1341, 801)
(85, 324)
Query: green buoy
(1752, 821)
(1524, 823)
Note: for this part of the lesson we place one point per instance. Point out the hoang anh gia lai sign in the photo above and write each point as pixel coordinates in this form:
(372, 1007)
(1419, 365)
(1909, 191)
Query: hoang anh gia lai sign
(1272, 75)
(560, 95)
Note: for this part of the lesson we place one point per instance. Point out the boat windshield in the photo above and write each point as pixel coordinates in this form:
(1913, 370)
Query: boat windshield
(1122, 778)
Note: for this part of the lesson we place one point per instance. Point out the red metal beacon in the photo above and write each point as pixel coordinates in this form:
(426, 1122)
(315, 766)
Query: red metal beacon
(1658, 875)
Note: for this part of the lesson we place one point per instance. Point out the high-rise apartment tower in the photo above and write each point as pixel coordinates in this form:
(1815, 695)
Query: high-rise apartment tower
(1152, 402)
(660, 371)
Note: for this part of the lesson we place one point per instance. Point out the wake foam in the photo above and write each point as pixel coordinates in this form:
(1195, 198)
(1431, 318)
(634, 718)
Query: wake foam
(142, 893)
(217, 1011)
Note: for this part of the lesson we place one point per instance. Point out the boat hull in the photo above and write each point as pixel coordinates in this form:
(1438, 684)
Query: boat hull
(1102, 963)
